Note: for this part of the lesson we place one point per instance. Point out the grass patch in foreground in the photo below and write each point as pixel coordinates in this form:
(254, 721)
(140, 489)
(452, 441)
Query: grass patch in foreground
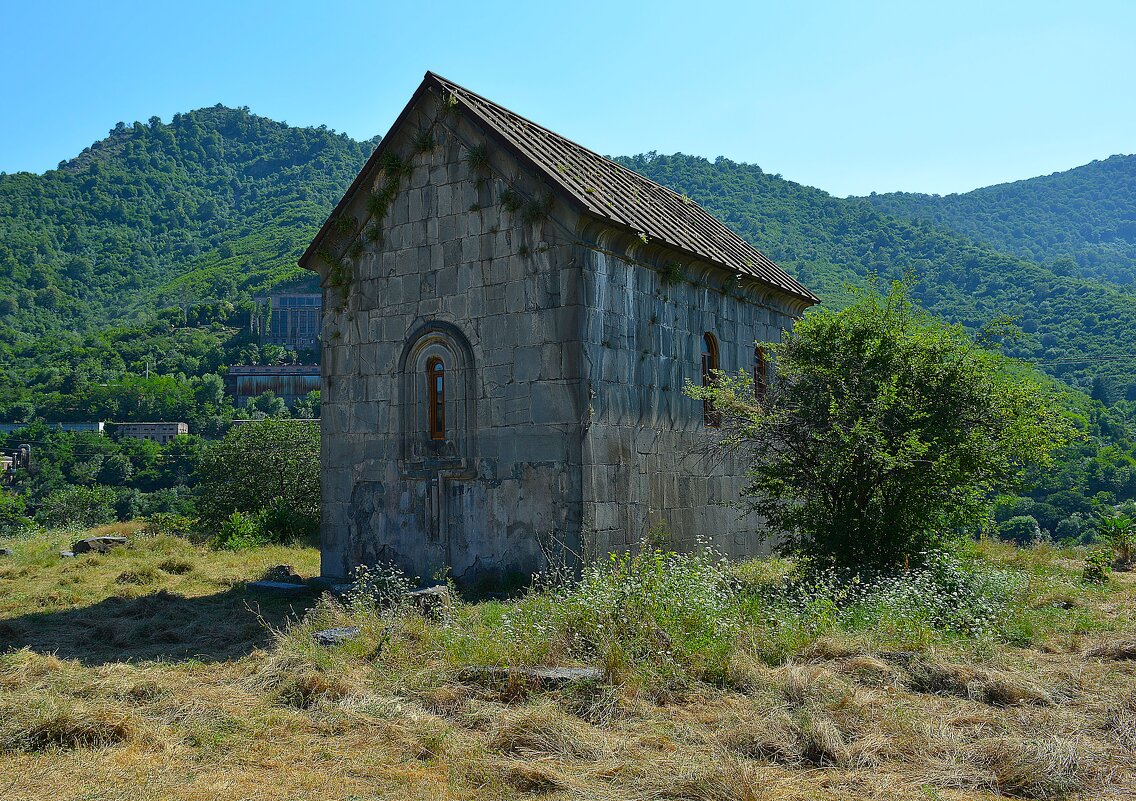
(723, 682)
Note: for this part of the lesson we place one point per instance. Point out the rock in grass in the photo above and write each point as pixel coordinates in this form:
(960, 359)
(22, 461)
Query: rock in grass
(337, 636)
(431, 601)
(546, 678)
(285, 574)
(66, 554)
(5, 552)
(279, 587)
(97, 544)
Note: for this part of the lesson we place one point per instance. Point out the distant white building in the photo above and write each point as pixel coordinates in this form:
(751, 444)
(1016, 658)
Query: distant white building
(160, 432)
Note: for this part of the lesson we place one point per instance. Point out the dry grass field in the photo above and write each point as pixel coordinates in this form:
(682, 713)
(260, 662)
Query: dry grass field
(152, 672)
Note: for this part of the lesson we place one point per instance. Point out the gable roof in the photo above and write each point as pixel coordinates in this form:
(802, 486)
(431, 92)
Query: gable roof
(602, 188)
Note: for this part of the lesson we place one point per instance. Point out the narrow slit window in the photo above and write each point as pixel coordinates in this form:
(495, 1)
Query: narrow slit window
(760, 373)
(710, 415)
(436, 392)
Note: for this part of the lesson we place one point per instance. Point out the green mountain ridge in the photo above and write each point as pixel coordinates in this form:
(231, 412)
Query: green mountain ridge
(126, 277)
(104, 237)
(1080, 221)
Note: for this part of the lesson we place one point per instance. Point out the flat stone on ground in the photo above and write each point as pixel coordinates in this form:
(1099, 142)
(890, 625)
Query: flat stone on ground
(337, 636)
(97, 544)
(279, 587)
(544, 677)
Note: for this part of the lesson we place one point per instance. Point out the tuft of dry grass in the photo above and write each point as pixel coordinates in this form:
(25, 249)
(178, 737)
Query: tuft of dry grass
(50, 724)
(725, 779)
(969, 681)
(544, 730)
(1115, 650)
(1042, 767)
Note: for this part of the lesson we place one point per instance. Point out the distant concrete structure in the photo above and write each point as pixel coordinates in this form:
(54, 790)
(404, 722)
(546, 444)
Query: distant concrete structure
(287, 381)
(291, 320)
(97, 427)
(240, 421)
(509, 321)
(159, 432)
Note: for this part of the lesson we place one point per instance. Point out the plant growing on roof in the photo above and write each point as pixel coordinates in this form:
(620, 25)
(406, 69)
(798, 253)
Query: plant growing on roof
(537, 210)
(424, 143)
(671, 273)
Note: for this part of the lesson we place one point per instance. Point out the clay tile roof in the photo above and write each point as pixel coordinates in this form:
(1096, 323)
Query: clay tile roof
(614, 193)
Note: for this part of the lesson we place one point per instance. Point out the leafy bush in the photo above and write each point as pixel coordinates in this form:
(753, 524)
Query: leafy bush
(1022, 530)
(283, 523)
(1098, 565)
(82, 507)
(167, 524)
(884, 434)
(269, 466)
(242, 530)
(13, 519)
(1119, 531)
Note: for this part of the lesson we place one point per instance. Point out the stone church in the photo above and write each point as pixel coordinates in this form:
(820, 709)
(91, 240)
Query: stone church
(509, 321)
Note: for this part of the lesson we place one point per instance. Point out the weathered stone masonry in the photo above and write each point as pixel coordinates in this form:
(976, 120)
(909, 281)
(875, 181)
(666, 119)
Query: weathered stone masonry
(565, 343)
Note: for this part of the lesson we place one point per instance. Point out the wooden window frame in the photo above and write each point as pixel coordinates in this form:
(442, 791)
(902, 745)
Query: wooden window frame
(436, 396)
(760, 373)
(711, 417)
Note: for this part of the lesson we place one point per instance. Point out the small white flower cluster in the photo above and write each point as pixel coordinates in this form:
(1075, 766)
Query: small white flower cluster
(377, 587)
(943, 595)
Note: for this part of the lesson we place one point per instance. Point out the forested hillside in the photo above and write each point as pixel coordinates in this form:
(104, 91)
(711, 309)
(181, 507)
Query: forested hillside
(1072, 326)
(215, 204)
(125, 275)
(1079, 222)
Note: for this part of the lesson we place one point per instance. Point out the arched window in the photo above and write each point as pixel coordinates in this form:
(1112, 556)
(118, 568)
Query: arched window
(436, 413)
(436, 397)
(760, 373)
(710, 415)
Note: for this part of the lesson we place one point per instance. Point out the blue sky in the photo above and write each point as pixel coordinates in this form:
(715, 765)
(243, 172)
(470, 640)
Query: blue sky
(851, 97)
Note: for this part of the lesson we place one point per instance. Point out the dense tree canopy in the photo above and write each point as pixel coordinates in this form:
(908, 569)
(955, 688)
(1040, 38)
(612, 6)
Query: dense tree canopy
(1079, 222)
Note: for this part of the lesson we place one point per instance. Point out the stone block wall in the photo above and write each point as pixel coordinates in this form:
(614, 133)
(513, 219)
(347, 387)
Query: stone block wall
(646, 464)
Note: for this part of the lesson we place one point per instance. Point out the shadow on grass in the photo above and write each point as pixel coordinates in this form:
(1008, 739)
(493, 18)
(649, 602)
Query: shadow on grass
(159, 626)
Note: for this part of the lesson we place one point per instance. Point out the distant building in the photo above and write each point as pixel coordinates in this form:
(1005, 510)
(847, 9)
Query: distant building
(160, 432)
(292, 320)
(98, 428)
(288, 381)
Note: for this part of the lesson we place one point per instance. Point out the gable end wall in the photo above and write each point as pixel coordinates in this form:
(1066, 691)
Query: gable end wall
(496, 296)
